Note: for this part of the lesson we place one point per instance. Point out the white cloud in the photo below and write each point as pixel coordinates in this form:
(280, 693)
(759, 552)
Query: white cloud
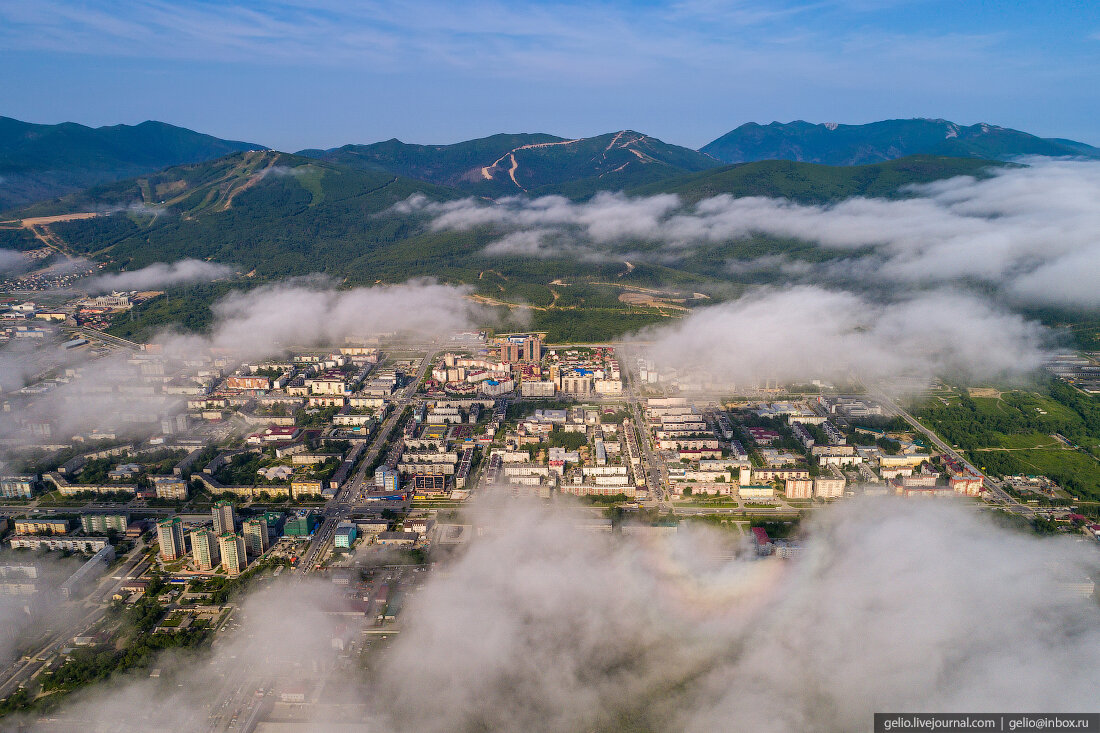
(158, 275)
(272, 318)
(541, 625)
(807, 332)
(1032, 230)
(893, 605)
(607, 217)
(112, 394)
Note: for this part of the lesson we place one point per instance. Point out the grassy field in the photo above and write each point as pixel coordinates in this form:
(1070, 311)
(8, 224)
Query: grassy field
(1013, 431)
(1027, 440)
(1065, 462)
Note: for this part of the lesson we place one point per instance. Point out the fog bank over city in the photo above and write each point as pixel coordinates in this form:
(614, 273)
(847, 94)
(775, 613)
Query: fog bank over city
(266, 321)
(262, 322)
(807, 332)
(890, 605)
(283, 625)
(581, 631)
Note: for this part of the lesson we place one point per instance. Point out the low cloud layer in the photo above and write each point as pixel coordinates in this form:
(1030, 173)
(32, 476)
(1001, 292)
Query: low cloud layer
(11, 260)
(541, 625)
(1030, 230)
(807, 332)
(29, 587)
(285, 629)
(273, 318)
(108, 395)
(892, 606)
(158, 275)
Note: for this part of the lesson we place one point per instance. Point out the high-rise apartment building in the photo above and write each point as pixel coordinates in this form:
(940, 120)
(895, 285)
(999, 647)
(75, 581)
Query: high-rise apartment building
(521, 348)
(255, 536)
(224, 521)
(232, 549)
(532, 349)
(204, 548)
(170, 536)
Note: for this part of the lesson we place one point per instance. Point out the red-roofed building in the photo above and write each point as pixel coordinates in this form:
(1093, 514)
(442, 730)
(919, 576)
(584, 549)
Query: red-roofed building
(762, 542)
(274, 434)
(764, 436)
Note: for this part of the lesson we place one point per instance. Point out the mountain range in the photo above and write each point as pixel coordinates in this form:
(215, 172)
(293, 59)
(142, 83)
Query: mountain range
(44, 161)
(40, 162)
(834, 144)
(529, 163)
(275, 215)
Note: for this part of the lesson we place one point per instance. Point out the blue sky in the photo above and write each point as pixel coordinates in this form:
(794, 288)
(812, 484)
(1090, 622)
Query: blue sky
(319, 73)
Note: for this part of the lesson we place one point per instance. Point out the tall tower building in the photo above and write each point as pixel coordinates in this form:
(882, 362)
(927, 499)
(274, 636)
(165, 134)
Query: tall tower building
(224, 520)
(532, 349)
(232, 549)
(170, 535)
(511, 351)
(255, 536)
(204, 546)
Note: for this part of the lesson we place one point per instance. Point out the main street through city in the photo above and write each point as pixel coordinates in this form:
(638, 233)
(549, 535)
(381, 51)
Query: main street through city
(653, 468)
(241, 701)
(340, 506)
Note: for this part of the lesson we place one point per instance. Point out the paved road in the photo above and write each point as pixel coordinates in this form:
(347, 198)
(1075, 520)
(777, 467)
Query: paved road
(997, 492)
(238, 707)
(652, 465)
(340, 506)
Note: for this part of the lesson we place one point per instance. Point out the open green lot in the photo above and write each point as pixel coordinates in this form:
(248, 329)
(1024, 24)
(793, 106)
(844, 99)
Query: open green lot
(1007, 432)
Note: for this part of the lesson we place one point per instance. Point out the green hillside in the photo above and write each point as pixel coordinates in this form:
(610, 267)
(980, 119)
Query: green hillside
(503, 165)
(38, 162)
(834, 144)
(274, 215)
(444, 164)
(813, 183)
